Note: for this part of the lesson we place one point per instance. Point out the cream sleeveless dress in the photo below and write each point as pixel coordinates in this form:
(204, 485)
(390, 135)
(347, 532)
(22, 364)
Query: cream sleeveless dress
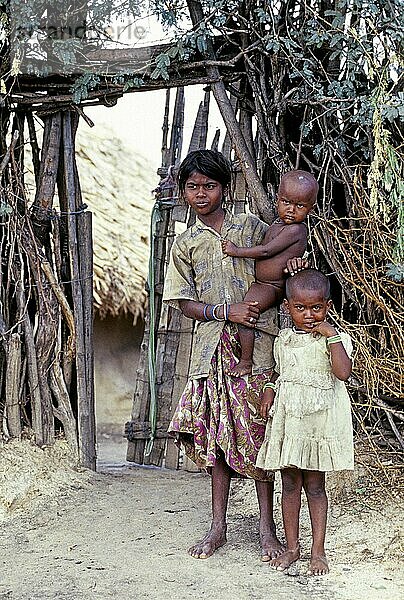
(311, 425)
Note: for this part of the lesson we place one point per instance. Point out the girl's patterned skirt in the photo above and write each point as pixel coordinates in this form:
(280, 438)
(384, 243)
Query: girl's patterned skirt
(221, 413)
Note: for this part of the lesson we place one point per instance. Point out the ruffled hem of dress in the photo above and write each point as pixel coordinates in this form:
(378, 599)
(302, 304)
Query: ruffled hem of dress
(309, 454)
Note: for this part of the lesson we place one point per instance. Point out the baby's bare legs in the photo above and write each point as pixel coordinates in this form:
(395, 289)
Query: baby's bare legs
(266, 295)
(216, 536)
(270, 545)
(244, 366)
(292, 483)
(314, 486)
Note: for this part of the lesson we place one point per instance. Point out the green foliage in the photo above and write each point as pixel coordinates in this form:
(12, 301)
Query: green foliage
(162, 63)
(82, 85)
(396, 272)
(386, 178)
(5, 209)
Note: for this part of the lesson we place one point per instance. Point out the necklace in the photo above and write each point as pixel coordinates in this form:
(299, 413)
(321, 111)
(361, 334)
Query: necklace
(299, 331)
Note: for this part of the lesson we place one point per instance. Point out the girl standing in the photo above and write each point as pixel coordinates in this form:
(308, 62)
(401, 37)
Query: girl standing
(217, 418)
(311, 428)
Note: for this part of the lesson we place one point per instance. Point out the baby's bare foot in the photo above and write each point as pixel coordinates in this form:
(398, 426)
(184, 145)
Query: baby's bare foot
(270, 546)
(214, 539)
(318, 565)
(283, 562)
(243, 367)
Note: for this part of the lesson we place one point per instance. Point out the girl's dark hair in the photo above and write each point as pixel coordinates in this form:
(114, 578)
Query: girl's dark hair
(308, 279)
(210, 163)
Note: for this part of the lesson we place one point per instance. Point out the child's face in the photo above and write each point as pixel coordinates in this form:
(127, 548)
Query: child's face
(294, 202)
(307, 308)
(203, 194)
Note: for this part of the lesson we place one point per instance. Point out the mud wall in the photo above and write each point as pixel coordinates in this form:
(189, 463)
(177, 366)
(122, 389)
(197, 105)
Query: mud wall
(116, 347)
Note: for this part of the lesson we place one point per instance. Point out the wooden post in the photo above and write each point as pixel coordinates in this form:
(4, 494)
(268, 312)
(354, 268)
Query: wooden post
(85, 399)
(200, 130)
(12, 385)
(85, 247)
(48, 312)
(32, 365)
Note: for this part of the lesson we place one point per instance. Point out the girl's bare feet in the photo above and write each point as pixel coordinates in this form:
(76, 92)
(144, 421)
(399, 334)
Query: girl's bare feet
(283, 562)
(270, 546)
(318, 565)
(214, 539)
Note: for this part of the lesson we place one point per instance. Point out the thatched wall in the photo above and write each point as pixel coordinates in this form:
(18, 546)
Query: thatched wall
(117, 185)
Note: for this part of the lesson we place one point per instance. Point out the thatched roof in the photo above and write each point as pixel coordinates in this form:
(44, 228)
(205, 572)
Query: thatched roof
(116, 185)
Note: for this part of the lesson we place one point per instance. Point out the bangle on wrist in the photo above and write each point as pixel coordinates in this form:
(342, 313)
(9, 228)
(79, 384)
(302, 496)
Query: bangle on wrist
(269, 385)
(334, 339)
(214, 314)
(205, 311)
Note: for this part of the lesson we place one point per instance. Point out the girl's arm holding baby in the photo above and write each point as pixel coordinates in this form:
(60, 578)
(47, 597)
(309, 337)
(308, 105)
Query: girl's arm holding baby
(245, 313)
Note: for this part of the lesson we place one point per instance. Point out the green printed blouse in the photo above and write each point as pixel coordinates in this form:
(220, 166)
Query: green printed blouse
(199, 271)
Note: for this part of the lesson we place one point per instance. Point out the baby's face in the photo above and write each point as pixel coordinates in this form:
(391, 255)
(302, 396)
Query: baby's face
(307, 307)
(294, 202)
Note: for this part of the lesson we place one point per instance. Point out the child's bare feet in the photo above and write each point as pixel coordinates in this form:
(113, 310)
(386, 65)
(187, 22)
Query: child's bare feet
(283, 562)
(243, 367)
(318, 565)
(214, 539)
(270, 546)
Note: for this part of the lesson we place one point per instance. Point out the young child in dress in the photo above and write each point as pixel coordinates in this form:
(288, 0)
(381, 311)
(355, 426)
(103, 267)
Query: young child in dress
(285, 239)
(310, 431)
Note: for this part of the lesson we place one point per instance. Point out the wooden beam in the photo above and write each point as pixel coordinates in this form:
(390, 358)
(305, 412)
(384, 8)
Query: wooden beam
(109, 95)
(55, 90)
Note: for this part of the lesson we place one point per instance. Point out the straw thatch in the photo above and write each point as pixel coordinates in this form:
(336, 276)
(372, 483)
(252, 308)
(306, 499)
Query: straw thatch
(116, 185)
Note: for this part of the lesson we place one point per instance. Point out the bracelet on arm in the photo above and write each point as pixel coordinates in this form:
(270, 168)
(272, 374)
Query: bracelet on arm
(226, 308)
(269, 385)
(334, 339)
(214, 315)
(205, 311)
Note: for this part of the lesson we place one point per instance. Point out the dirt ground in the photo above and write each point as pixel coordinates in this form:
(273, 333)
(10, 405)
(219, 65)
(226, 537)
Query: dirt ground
(123, 531)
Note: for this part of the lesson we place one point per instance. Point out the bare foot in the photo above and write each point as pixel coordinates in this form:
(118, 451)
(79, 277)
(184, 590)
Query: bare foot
(214, 539)
(283, 562)
(243, 367)
(318, 566)
(270, 546)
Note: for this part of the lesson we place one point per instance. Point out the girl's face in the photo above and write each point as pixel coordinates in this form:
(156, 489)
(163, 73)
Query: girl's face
(203, 194)
(307, 308)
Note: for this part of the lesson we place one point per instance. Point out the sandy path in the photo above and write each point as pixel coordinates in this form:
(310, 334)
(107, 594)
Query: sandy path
(122, 533)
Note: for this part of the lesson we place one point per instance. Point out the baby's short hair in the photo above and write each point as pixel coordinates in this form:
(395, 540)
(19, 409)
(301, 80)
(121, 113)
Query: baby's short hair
(304, 179)
(308, 279)
(210, 163)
